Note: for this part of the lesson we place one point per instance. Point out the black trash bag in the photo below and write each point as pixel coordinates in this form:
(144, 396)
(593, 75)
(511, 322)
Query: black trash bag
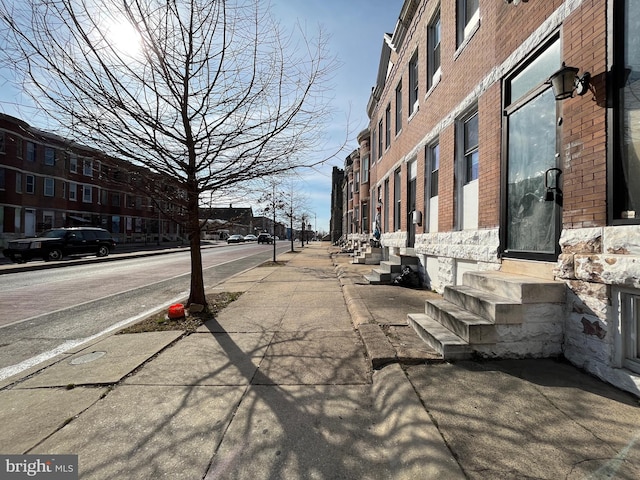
(408, 278)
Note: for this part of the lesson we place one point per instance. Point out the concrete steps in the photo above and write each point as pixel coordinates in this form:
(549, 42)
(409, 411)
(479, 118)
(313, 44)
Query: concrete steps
(368, 256)
(492, 314)
(388, 270)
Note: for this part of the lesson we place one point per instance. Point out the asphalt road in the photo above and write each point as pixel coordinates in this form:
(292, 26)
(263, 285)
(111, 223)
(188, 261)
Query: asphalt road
(46, 312)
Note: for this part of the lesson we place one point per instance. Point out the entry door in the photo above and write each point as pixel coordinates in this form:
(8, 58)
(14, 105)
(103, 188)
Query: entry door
(533, 205)
(30, 223)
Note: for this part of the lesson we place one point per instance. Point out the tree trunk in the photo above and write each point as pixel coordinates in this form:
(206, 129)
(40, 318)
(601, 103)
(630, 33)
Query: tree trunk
(196, 293)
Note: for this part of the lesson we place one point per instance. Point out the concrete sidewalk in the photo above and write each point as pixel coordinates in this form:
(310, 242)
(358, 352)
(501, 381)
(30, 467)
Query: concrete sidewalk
(281, 386)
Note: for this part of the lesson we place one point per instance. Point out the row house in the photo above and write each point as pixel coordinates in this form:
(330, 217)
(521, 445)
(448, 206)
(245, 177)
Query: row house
(502, 140)
(47, 181)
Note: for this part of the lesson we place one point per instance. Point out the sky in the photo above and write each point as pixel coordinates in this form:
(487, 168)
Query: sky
(355, 29)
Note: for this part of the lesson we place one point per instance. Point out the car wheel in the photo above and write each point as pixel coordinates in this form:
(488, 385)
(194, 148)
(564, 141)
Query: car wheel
(54, 255)
(103, 251)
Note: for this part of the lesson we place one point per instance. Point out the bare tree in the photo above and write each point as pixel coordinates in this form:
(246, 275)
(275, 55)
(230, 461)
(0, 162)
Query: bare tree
(207, 93)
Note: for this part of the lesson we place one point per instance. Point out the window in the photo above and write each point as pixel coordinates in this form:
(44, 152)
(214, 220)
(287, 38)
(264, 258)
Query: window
(373, 145)
(87, 194)
(2, 175)
(433, 162)
(624, 179)
(386, 205)
(49, 156)
(18, 182)
(629, 308)
(87, 167)
(73, 192)
(467, 19)
(433, 47)
(356, 183)
(73, 163)
(413, 83)
(387, 121)
(397, 200)
(115, 199)
(31, 152)
(19, 147)
(399, 107)
(380, 133)
(2, 143)
(49, 187)
(471, 155)
(365, 169)
(31, 184)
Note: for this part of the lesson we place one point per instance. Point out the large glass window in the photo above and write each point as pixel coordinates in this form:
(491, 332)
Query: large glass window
(624, 187)
(532, 215)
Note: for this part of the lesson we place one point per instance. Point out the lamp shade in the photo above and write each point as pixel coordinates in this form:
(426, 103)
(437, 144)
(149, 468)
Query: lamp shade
(563, 82)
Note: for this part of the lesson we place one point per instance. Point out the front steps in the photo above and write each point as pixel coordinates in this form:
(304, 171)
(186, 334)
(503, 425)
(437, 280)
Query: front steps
(369, 256)
(386, 273)
(494, 314)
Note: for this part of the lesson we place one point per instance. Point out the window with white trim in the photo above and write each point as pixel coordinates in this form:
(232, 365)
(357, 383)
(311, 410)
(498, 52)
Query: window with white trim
(73, 163)
(399, 107)
(87, 194)
(413, 83)
(467, 19)
(49, 156)
(87, 167)
(73, 191)
(433, 49)
(49, 187)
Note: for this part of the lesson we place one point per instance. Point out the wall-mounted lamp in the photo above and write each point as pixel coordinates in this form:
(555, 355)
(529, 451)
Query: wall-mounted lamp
(565, 81)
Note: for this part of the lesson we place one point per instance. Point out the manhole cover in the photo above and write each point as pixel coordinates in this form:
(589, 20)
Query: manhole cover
(89, 357)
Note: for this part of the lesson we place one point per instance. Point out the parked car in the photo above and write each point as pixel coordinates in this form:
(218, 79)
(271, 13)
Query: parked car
(250, 238)
(57, 243)
(235, 239)
(265, 238)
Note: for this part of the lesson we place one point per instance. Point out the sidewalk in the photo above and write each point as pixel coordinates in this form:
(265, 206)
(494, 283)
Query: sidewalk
(281, 386)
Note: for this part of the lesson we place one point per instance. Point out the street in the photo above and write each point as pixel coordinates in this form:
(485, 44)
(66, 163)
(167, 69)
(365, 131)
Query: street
(43, 312)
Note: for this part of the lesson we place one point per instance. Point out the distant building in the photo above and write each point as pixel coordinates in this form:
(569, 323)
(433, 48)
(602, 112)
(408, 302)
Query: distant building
(335, 228)
(47, 181)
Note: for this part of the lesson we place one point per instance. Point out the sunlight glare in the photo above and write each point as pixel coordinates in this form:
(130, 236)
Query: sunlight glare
(125, 39)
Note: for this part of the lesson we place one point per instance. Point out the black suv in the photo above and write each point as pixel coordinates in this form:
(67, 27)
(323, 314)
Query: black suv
(57, 243)
(265, 238)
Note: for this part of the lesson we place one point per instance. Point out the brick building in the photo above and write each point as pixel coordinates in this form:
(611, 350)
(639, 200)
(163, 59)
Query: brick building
(47, 181)
(480, 166)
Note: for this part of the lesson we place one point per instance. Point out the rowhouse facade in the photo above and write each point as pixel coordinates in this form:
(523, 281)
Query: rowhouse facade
(477, 162)
(47, 181)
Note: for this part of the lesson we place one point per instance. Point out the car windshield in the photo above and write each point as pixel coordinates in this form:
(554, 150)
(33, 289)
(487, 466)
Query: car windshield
(54, 234)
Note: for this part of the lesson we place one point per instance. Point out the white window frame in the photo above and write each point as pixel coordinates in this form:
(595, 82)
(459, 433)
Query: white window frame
(434, 50)
(87, 167)
(49, 187)
(73, 163)
(87, 194)
(414, 84)
(466, 28)
(49, 156)
(73, 191)
(627, 334)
